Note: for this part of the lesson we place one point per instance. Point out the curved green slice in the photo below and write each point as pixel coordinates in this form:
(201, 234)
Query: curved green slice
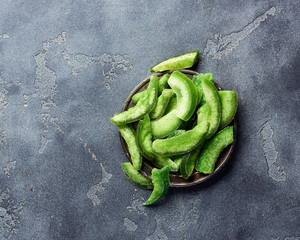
(185, 60)
(162, 103)
(176, 133)
(211, 110)
(212, 149)
(187, 164)
(144, 142)
(186, 94)
(161, 183)
(165, 125)
(129, 137)
(142, 108)
(181, 144)
(197, 80)
(144, 138)
(229, 105)
(177, 158)
(135, 177)
(160, 162)
(172, 105)
(162, 84)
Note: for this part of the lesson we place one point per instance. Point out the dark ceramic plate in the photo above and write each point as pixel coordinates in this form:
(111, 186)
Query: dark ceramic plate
(175, 179)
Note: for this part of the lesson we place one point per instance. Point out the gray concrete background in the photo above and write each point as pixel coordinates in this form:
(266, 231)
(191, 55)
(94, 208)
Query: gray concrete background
(67, 66)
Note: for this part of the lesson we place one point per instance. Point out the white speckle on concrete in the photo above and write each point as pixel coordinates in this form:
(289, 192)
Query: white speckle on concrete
(159, 233)
(130, 225)
(107, 86)
(4, 36)
(85, 145)
(94, 193)
(137, 206)
(45, 88)
(223, 44)
(271, 154)
(111, 61)
(9, 214)
(10, 165)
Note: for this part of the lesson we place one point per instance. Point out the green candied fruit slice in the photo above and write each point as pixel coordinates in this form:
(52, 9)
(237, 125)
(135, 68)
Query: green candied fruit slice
(143, 107)
(165, 125)
(187, 164)
(162, 103)
(161, 183)
(176, 133)
(144, 138)
(181, 144)
(197, 80)
(162, 84)
(160, 162)
(144, 142)
(177, 158)
(229, 105)
(212, 149)
(172, 105)
(129, 137)
(185, 60)
(186, 94)
(211, 110)
(135, 177)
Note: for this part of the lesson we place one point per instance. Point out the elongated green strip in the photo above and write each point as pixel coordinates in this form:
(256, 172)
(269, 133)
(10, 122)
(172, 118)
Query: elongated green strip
(171, 106)
(129, 137)
(177, 158)
(212, 149)
(144, 138)
(160, 162)
(229, 106)
(176, 133)
(188, 161)
(144, 142)
(186, 94)
(162, 84)
(197, 80)
(181, 61)
(165, 125)
(203, 114)
(135, 177)
(181, 144)
(211, 110)
(172, 162)
(162, 103)
(161, 183)
(143, 107)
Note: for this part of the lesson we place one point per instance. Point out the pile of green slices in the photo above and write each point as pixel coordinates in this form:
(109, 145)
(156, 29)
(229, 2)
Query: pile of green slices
(182, 125)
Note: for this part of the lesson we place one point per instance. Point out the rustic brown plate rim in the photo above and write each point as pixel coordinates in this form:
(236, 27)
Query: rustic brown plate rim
(175, 179)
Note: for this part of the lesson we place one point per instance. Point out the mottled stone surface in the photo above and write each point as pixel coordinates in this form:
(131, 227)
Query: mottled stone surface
(67, 66)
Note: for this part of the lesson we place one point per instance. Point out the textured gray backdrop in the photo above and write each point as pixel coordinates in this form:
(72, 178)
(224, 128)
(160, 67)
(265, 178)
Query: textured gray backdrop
(67, 66)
